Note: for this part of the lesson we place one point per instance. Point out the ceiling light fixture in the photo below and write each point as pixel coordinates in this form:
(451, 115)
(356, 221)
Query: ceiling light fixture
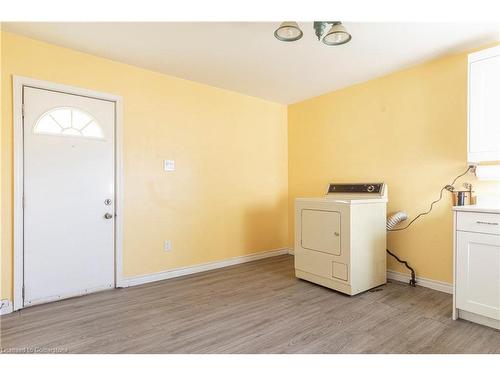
(337, 35)
(288, 32)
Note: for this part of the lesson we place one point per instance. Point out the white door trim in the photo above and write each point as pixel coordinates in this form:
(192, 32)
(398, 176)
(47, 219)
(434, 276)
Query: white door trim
(18, 84)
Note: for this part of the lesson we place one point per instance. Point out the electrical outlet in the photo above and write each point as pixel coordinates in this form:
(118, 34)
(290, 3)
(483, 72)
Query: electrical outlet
(5, 306)
(167, 246)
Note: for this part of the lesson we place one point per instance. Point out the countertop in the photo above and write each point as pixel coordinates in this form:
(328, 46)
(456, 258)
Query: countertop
(487, 208)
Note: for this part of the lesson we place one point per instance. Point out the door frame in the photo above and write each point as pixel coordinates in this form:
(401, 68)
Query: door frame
(18, 83)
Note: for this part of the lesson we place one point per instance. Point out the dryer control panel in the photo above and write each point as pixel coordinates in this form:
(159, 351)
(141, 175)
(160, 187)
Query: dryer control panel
(373, 190)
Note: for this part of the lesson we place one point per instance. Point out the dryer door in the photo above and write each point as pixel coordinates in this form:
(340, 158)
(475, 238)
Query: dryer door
(321, 231)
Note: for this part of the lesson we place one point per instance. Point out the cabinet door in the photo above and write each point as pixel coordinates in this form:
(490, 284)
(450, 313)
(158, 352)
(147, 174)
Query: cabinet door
(478, 273)
(484, 107)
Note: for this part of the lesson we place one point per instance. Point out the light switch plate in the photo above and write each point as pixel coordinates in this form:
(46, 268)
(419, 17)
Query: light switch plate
(169, 165)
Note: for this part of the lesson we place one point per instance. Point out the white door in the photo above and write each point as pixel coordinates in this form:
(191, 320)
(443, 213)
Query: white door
(478, 273)
(69, 189)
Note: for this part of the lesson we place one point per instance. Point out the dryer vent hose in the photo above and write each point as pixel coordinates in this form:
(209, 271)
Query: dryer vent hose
(391, 222)
(395, 219)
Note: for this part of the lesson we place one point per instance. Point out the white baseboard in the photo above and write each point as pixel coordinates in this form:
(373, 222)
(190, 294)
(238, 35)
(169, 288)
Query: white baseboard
(6, 307)
(291, 252)
(422, 281)
(176, 272)
(479, 319)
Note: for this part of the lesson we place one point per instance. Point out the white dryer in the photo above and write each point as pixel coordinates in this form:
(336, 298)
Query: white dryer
(340, 239)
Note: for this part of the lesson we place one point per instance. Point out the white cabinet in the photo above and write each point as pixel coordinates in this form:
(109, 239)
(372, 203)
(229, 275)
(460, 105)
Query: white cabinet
(484, 106)
(478, 273)
(477, 267)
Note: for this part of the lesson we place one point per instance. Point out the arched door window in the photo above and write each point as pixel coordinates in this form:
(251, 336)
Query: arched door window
(68, 121)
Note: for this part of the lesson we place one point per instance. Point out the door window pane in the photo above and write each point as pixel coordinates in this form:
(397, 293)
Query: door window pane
(68, 121)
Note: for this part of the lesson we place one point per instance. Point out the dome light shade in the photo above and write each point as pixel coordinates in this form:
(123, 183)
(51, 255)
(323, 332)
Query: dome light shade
(336, 35)
(288, 32)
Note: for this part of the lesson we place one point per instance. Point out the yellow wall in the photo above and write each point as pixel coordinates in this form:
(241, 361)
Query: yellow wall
(228, 196)
(407, 129)
(4, 276)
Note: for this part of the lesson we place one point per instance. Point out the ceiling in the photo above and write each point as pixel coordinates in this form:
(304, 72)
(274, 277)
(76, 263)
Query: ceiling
(245, 57)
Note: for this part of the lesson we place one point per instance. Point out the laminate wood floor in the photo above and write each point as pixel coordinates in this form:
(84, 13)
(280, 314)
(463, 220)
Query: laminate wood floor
(257, 307)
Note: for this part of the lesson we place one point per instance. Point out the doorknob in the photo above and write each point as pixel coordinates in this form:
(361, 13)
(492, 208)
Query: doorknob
(107, 215)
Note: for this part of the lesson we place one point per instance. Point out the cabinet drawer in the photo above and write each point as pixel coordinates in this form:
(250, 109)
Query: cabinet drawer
(478, 222)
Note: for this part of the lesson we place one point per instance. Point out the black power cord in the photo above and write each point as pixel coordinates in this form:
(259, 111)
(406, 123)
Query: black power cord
(446, 187)
(413, 281)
